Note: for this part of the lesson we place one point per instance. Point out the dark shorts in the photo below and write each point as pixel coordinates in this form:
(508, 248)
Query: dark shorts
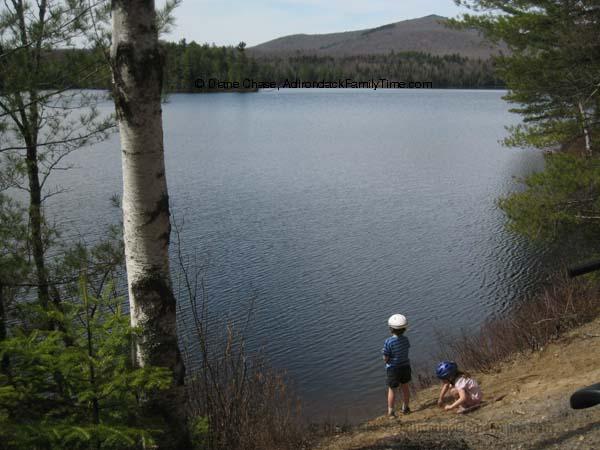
(397, 376)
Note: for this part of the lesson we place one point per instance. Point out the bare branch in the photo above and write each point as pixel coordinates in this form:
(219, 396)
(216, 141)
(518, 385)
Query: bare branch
(63, 141)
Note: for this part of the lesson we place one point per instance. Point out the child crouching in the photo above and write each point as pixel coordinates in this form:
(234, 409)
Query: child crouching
(464, 389)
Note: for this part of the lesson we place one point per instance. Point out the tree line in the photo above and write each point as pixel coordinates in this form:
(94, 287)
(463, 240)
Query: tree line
(184, 63)
(187, 62)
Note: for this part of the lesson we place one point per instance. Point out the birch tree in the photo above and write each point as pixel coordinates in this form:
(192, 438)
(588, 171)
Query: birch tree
(137, 63)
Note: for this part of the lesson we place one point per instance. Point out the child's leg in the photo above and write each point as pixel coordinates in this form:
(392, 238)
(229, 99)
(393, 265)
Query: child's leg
(391, 399)
(405, 394)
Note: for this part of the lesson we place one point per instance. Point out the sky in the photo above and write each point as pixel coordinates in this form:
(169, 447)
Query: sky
(228, 22)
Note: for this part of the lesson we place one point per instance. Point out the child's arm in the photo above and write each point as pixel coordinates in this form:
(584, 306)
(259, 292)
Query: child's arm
(445, 388)
(387, 353)
(462, 397)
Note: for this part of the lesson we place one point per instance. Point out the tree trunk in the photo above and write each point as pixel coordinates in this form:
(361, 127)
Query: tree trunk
(35, 224)
(31, 126)
(586, 131)
(137, 76)
(4, 361)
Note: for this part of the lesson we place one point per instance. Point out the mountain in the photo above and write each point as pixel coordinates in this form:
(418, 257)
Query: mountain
(426, 34)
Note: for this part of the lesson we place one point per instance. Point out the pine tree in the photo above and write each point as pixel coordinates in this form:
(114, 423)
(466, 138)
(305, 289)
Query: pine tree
(553, 76)
(42, 120)
(552, 70)
(81, 395)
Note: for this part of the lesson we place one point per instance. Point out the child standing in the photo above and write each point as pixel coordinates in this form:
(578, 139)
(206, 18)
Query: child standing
(395, 355)
(462, 387)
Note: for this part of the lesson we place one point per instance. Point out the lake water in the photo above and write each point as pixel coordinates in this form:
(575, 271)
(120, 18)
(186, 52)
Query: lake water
(335, 209)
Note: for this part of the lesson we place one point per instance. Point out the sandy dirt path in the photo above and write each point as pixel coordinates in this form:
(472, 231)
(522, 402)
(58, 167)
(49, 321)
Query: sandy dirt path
(527, 407)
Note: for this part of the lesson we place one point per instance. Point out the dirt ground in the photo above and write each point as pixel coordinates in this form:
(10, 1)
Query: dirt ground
(527, 407)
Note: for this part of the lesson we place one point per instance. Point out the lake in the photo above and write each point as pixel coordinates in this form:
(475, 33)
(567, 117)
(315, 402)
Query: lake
(334, 209)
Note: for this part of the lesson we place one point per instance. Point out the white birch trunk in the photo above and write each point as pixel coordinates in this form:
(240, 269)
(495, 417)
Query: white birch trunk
(137, 77)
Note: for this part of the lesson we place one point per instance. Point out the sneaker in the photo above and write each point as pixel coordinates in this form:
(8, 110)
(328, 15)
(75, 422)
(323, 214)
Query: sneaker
(391, 415)
(405, 410)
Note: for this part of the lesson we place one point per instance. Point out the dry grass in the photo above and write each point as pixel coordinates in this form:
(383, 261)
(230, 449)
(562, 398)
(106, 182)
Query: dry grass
(235, 399)
(245, 406)
(526, 327)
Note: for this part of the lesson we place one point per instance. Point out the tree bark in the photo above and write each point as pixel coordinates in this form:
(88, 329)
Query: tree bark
(137, 83)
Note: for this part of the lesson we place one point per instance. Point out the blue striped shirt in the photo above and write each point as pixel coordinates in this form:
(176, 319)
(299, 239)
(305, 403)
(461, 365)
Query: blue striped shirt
(396, 348)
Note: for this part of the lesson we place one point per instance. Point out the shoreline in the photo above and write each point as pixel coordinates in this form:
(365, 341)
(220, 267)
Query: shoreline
(253, 90)
(525, 406)
(257, 90)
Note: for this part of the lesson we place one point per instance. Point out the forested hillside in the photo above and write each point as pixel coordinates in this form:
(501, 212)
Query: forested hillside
(187, 62)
